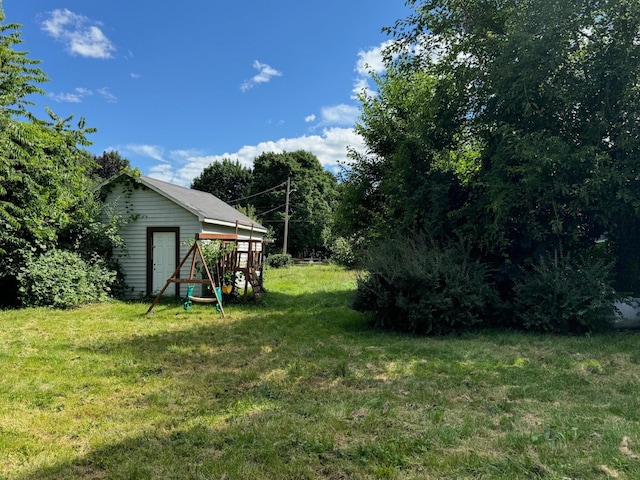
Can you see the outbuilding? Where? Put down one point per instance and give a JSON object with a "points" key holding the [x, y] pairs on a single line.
{"points": [[159, 220]]}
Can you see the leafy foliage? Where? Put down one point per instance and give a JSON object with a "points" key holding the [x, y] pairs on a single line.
{"points": [[213, 251], [109, 164], [417, 286], [420, 165], [227, 180], [279, 260], [63, 279], [343, 252], [563, 294], [45, 193], [512, 125], [18, 74]]}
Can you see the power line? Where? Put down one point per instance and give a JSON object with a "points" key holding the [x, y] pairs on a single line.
{"points": [[290, 221], [256, 194], [269, 211]]}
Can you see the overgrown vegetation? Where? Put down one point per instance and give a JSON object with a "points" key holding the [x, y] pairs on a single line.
{"points": [[421, 287], [514, 127], [563, 294], [63, 279], [301, 388], [46, 198]]}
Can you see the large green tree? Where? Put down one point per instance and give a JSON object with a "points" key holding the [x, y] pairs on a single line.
{"points": [[227, 180], [417, 164], [44, 190], [513, 124], [109, 164], [313, 194]]}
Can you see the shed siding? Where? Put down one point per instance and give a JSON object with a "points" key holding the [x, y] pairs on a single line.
{"points": [[154, 210]]}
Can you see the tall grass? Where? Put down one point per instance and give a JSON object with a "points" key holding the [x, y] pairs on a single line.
{"points": [[300, 387]]}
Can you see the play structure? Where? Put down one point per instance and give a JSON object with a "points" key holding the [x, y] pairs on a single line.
{"points": [[237, 266]]}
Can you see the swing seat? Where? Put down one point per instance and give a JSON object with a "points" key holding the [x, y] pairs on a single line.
{"points": [[203, 299], [191, 298]]}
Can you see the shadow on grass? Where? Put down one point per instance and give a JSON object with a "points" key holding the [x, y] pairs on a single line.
{"points": [[215, 396], [253, 395]]}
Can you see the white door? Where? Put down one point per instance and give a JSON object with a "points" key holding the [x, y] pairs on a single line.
{"points": [[164, 260]]}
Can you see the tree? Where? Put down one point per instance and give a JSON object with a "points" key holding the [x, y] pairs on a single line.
{"points": [[312, 199], [512, 125], [549, 89], [227, 180], [109, 164], [417, 164], [44, 190]]}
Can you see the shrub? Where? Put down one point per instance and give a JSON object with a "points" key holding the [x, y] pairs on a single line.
{"points": [[63, 279], [566, 294], [417, 286], [279, 260], [343, 252]]}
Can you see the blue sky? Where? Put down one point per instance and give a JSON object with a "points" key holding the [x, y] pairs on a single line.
{"points": [[174, 86]]}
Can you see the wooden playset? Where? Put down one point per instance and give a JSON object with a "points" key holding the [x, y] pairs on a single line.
{"points": [[240, 263]]}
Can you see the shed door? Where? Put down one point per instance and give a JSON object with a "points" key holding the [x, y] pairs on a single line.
{"points": [[163, 260]]}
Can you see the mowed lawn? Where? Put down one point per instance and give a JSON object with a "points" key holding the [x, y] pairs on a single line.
{"points": [[299, 387]]}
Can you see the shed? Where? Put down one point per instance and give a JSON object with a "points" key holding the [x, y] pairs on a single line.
{"points": [[160, 220]]}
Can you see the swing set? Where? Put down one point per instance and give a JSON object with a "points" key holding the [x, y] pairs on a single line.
{"points": [[239, 256]]}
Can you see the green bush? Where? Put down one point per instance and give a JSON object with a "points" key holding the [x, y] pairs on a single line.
{"points": [[63, 279], [343, 252], [416, 286], [566, 294], [279, 260]]}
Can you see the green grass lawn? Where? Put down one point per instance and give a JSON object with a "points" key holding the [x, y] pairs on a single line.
{"points": [[300, 387]]}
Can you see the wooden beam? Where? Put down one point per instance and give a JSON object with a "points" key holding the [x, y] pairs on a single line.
{"points": [[216, 236]]}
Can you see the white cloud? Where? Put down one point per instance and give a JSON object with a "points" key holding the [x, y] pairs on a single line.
{"points": [[264, 75], [342, 114], [369, 61], [71, 97], [107, 95], [163, 172], [361, 85], [330, 147], [77, 34], [91, 43], [78, 95], [184, 154], [65, 97], [154, 152], [135, 76]]}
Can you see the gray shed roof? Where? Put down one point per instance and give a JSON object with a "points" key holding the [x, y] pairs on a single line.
{"points": [[207, 207]]}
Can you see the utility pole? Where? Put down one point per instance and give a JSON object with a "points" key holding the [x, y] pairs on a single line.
{"points": [[286, 217]]}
